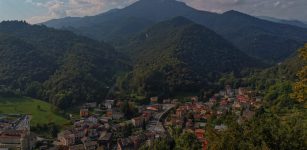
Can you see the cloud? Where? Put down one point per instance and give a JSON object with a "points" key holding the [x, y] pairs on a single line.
{"points": [[277, 3], [75, 8], [286, 9]]}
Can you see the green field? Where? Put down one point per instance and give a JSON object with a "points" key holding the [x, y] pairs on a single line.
{"points": [[40, 110]]}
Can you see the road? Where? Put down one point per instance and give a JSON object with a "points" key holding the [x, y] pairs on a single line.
{"points": [[155, 124]]}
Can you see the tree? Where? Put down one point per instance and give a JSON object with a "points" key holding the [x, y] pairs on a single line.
{"points": [[38, 107], [129, 110], [187, 141], [300, 87], [54, 130], [159, 144]]}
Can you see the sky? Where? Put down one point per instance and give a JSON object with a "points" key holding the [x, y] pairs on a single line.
{"points": [[36, 11]]}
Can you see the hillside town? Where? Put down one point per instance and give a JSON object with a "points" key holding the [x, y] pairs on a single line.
{"points": [[15, 132], [106, 126]]}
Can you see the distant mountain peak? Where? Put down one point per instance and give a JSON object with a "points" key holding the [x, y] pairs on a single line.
{"points": [[234, 12]]}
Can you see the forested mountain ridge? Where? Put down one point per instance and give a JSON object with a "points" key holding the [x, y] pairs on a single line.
{"points": [[55, 65], [179, 55], [283, 21], [272, 42]]}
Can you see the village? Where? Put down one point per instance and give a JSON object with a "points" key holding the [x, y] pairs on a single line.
{"points": [[107, 126]]}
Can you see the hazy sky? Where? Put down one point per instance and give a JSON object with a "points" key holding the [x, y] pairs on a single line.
{"points": [[36, 11]]}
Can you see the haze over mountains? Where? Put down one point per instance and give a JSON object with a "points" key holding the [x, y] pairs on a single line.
{"points": [[266, 40], [289, 22]]}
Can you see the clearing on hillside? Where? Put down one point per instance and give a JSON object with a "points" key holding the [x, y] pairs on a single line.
{"points": [[41, 111]]}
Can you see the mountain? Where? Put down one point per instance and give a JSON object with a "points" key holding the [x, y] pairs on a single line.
{"points": [[270, 41], [180, 55], [283, 21], [55, 65]]}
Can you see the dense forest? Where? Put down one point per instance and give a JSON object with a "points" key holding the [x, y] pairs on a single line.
{"points": [[55, 65], [179, 56]]}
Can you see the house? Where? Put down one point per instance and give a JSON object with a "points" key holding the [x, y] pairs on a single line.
{"points": [[189, 124], [222, 93], [180, 113], [228, 91], [242, 91], [156, 107], [91, 105], [175, 101], [105, 139], [199, 133], [84, 112], [117, 115], [76, 147], [194, 99], [109, 113], [212, 100], [92, 132], [220, 127], [197, 116], [137, 121], [154, 100], [166, 101], [79, 133], [147, 115], [242, 99], [90, 145], [66, 138], [223, 102], [236, 106], [204, 143], [109, 104], [119, 103], [105, 119], [179, 123], [92, 119], [16, 139], [202, 124], [258, 99], [98, 111]]}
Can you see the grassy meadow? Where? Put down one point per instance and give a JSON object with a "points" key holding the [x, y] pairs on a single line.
{"points": [[41, 111]]}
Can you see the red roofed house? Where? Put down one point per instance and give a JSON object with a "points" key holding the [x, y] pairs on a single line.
{"points": [[15, 139], [137, 121], [200, 135], [154, 100], [84, 113], [180, 113]]}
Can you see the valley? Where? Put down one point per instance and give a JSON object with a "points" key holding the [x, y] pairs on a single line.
{"points": [[154, 75]]}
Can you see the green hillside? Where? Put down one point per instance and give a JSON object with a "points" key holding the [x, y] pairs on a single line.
{"points": [[41, 111], [54, 65], [179, 55]]}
